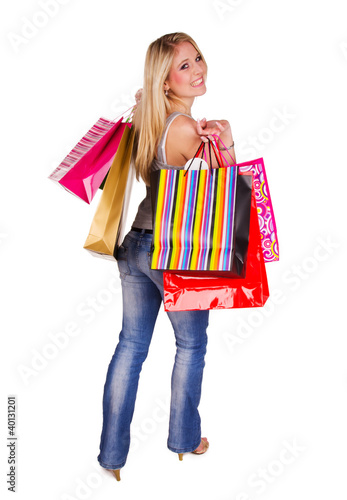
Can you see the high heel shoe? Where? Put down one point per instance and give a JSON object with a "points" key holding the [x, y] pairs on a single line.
{"points": [[116, 472], [204, 447]]}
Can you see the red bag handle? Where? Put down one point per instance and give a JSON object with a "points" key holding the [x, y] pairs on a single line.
{"points": [[218, 158], [201, 150], [217, 154], [219, 151]]}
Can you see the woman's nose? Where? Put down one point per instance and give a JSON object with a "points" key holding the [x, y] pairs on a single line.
{"points": [[197, 70]]}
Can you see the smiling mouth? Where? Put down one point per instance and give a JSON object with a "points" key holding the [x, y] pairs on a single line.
{"points": [[197, 82]]}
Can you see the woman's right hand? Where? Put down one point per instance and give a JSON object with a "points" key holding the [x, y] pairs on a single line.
{"points": [[208, 129], [185, 136]]}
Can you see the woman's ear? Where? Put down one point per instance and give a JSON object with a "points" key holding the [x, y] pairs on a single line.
{"points": [[166, 89]]}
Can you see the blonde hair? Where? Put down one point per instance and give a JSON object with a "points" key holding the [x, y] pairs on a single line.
{"points": [[150, 116]]}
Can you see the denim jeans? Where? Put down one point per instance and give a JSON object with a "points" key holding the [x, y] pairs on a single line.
{"points": [[142, 290]]}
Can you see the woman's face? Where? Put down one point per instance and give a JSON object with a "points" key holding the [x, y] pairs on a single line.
{"points": [[187, 75]]}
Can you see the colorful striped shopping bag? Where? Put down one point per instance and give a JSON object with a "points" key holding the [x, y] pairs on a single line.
{"points": [[193, 219]]}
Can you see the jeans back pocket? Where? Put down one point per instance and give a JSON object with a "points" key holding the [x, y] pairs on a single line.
{"points": [[122, 261]]}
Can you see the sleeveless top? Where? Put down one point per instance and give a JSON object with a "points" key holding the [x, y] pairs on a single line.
{"points": [[143, 219]]}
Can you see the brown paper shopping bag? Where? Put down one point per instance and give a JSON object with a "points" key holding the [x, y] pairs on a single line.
{"points": [[106, 228]]}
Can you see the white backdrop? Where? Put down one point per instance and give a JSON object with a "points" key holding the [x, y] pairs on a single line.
{"points": [[274, 391]]}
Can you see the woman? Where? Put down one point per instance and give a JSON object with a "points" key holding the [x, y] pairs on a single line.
{"points": [[166, 136]]}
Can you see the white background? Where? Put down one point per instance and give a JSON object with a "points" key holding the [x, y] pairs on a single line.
{"points": [[275, 377]]}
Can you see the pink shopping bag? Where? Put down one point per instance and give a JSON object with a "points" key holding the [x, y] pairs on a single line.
{"points": [[266, 216], [85, 167]]}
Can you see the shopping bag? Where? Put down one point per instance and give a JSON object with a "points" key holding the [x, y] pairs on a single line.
{"points": [[106, 230], [193, 220], [266, 216], [268, 230], [83, 170], [192, 291]]}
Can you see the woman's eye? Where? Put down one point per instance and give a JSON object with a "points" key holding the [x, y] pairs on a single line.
{"points": [[185, 66]]}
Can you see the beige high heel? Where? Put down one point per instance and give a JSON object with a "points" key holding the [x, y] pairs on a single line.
{"points": [[116, 472], [205, 444]]}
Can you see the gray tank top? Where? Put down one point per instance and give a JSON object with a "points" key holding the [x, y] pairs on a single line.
{"points": [[143, 219]]}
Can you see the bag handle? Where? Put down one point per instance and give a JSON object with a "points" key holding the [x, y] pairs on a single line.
{"points": [[203, 154], [201, 150], [128, 113], [219, 151], [216, 153]]}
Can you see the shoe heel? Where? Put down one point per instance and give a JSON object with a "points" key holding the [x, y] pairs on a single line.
{"points": [[117, 474], [180, 456]]}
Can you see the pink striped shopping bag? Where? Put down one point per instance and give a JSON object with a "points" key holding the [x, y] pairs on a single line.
{"points": [[85, 167]]}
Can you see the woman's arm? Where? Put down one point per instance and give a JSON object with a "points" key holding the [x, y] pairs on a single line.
{"points": [[222, 129], [185, 136]]}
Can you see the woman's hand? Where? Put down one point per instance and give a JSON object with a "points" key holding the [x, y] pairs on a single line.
{"points": [[185, 136], [221, 129], [207, 129]]}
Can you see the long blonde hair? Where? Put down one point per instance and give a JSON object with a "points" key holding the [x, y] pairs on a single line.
{"points": [[150, 116]]}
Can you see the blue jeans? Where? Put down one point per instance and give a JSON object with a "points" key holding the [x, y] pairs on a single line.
{"points": [[142, 290]]}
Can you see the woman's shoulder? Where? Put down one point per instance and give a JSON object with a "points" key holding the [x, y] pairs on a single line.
{"points": [[181, 140], [178, 115], [181, 124]]}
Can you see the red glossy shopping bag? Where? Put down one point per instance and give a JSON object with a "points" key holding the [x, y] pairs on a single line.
{"points": [[185, 292]]}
